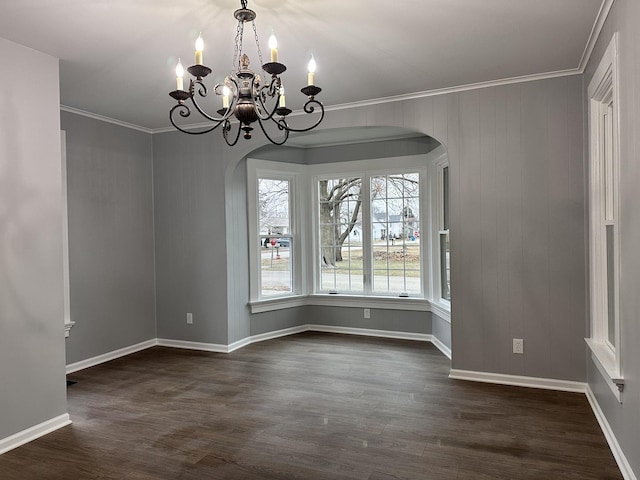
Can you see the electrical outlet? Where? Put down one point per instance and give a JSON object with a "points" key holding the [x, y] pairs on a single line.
{"points": [[189, 318], [518, 345], [367, 313]]}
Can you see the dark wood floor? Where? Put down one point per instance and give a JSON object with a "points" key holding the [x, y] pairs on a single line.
{"points": [[310, 406]]}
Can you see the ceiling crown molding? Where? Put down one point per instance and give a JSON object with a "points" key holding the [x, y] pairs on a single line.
{"points": [[102, 118], [605, 9]]}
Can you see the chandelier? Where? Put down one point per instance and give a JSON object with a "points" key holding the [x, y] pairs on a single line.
{"points": [[246, 97]]}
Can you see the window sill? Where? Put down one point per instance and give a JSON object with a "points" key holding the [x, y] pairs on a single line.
{"points": [[280, 303], [442, 309], [605, 360], [355, 301], [363, 301], [67, 328]]}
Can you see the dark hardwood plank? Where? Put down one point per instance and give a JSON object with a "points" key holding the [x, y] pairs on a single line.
{"points": [[310, 406]]}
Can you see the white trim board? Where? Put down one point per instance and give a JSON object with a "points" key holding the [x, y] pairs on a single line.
{"points": [[106, 357], [204, 347], [618, 454], [31, 433], [518, 381], [605, 8], [368, 332], [267, 336], [102, 118]]}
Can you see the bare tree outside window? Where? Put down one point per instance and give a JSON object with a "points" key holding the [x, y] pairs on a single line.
{"points": [[393, 229], [276, 241], [273, 206], [340, 205]]}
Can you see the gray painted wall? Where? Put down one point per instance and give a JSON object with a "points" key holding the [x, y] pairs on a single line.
{"points": [[518, 229], [31, 289], [192, 237], [381, 319], [441, 329], [623, 418], [370, 150], [279, 319], [517, 232], [111, 247]]}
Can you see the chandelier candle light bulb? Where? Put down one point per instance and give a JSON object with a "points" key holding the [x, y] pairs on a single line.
{"points": [[312, 70], [226, 91], [282, 103], [179, 76], [199, 49], [273, 45]]}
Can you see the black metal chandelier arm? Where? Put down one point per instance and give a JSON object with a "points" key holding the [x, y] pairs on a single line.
{"points": [[284, 128], [225, 133], [184, 112], [308, 108], [198, 85], [206, 115], [203, 92]]}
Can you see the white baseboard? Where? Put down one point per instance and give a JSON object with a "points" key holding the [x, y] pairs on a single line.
{"points": [[269, 336], [205, 347], [441, 346], [368, 332], [92, 362], [519, 381], [618, 454], [37, 431]]}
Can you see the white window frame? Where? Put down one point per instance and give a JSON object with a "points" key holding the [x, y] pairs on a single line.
{"points": [[604, 210], [302, 211], [366, 169], [441, 305], [295, 175]]}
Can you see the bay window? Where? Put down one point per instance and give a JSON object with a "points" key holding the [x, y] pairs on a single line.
{"points": [[356, 230]]}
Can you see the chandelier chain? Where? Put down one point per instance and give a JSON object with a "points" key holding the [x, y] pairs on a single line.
{"points": [[237, 52], [255, 32]]}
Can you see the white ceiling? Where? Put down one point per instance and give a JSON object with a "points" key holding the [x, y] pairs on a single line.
{"points": [[117, 57]]}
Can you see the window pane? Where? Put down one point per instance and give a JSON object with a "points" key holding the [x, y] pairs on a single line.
{"points": [[273, 206], [340, 217], [276, 266], [445, 267], [395, 219], [276, 262], [445, 198], [608, 162], [611, 305]]}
